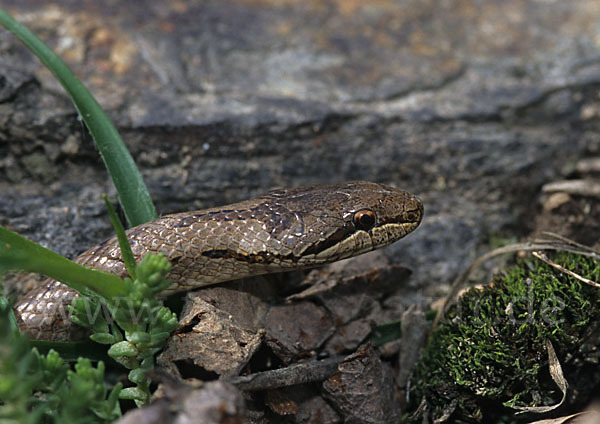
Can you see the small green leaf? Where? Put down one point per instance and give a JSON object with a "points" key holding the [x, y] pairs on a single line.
{"points": [[133, 393], [138, 376], [123, 348], [128, 362], [138, 337], [158, 338], [103, 338]]}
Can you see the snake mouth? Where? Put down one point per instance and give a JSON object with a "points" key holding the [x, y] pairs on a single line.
{"points": [[337, 237], [390, 232], [409, 227]]}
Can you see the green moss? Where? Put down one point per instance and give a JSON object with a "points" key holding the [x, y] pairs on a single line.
{"points": [[489, 353]]}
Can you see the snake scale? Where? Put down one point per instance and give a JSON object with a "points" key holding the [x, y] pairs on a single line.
{"points": [[281, 230]]}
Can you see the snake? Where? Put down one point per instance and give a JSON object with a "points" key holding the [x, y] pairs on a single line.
{"points": [[282, 230]]}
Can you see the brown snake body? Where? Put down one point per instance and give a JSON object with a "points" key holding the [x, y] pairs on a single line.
{"points": [[280, 231]]}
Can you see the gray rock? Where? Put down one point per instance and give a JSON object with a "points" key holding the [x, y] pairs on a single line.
{"points": [[472, 107]]}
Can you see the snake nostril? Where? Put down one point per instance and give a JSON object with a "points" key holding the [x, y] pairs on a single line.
{"points": [[412, 216]]}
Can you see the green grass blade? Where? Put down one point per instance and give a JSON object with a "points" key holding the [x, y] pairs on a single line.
{"points": [[126, 253], [19, 253], [385, 333], [11, 325], [132, 191]]}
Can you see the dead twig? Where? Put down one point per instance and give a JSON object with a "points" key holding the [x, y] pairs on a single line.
{"points": [[588, 188], [542, 257], [289, 376]]}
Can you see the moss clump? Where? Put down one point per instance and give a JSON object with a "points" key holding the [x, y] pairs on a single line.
{"points": [[489, 353]]}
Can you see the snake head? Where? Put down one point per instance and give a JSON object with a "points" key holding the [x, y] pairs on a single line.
{"points": [[388, 215], [336, 221]]}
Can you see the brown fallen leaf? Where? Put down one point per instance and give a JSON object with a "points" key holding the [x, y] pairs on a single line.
{"points": [[557, 375]]}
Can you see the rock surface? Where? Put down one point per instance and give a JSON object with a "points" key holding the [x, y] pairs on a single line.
{"points": [[472, 106]]}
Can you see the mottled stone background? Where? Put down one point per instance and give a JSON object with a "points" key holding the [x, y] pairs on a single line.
{"points": [[471, 105]]}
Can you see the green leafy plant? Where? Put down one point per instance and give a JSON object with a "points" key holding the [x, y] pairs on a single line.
{"points": [[139, 324], [41, 388], [136, 330]]}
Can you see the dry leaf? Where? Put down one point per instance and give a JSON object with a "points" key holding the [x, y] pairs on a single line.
{"points": [[558, 377]]}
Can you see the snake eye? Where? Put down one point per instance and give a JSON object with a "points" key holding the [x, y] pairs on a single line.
{"points": [[364, 219]]}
